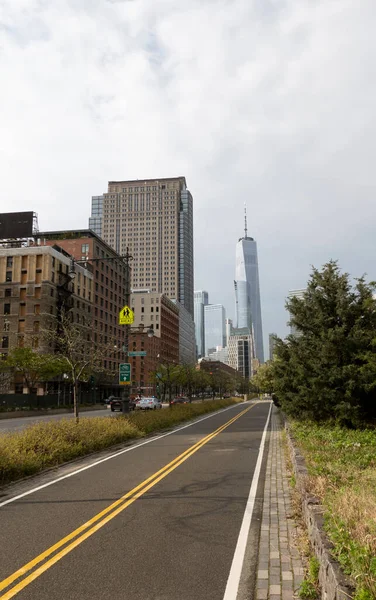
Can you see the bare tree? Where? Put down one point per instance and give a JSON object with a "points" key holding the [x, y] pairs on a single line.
{"points": [[79, 356]]}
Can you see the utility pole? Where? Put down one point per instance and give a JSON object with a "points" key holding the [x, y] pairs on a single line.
{"points": [[127, 258]]}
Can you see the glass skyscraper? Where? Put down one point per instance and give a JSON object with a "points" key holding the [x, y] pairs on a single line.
{"points": [[201, 299], [215, 327], [247, 291], [95, 221]]}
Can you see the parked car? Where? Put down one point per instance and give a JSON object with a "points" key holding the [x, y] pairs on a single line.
{"points": [[108, 400], [148, 404], [180, 400], [117, 404]]}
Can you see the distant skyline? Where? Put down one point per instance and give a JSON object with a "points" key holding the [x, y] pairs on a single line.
{"points": [[273, 104]]}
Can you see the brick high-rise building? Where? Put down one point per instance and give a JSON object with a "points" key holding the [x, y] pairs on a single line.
{"points": [[154, 218], [158, 311], [31, 282], [108, 294]]}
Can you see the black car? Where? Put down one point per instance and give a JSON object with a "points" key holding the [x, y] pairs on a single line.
{"points": [[109, 399], [117, 404], [180, 400]]}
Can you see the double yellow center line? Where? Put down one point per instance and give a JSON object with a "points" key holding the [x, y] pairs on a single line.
{"points": [[76, 537]]}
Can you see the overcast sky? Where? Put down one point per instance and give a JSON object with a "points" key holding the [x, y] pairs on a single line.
{"points": [[268, 102]]}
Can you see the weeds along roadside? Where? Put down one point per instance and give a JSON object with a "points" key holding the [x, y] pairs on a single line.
{"points": [[45, 445], [342, 474], [309, 588]]}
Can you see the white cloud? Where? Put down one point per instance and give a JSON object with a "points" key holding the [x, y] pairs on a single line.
{"points": [[271, 102]]}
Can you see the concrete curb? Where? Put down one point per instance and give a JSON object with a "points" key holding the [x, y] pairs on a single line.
{"points": [[333, 582]]}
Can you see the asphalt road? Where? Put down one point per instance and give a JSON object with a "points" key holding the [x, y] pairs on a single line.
{"points": [[175, 534], [19, 423]]}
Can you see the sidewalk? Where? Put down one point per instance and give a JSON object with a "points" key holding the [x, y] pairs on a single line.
{"points": [[280, 569]]}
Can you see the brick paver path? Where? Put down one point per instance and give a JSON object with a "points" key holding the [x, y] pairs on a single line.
{"points": [[280, 569]]}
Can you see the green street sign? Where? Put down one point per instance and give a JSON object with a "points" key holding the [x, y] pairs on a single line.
{"points": [[125, 374], [137, 353]]}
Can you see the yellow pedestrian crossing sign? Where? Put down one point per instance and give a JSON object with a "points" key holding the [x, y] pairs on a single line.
{"points": [[126, 316]]}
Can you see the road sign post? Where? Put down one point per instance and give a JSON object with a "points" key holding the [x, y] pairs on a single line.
{"points": [[126, 316], [125, 374]]}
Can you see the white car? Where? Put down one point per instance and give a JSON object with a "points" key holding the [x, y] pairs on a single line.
{"points": [[148, 404]]}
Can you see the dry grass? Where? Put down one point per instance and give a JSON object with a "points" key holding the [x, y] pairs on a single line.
{"points": [[342, 468], [49, 444], [301, 538]]}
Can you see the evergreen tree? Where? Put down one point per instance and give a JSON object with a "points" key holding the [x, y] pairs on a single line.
{"points": [[328, 368]]}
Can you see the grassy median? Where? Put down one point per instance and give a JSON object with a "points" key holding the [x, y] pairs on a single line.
{"points": [[342, 473], [50, 444]]}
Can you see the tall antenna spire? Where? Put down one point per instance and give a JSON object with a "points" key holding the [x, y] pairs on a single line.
{"points": [[245, 220]]}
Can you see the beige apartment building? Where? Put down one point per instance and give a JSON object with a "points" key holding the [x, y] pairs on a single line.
{"points": [[158, 311], [154, 219], [33, 282]]}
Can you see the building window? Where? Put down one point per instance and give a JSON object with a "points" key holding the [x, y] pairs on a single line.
{"points": [[85, 249], [21, 326], [8, 276], [36, 309], [6, 325], [7, 309], [5, 341], [9, 262]]}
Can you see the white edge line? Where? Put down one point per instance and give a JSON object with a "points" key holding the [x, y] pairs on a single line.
{"points": [[102, 460], [233, 581]]}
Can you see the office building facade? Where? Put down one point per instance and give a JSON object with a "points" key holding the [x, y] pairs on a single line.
{"points": [[299, 293], [154, 219], [247, 291], [201, 299], [241, 352], [220, 354], [95, 221], [215, 327], [272, 343], [161, 313], [187, 338]]}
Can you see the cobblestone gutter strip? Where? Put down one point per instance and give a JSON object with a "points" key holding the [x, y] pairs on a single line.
{"points": [[334, 584]]}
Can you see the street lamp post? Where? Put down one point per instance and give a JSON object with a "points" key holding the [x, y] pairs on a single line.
{"points": [[128, 329], [127, 258], [125, 349]]}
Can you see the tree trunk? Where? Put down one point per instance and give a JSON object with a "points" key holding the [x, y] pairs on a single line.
{"points": [[75, 400]]}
